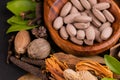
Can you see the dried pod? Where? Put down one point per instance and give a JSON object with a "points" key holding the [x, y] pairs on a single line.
{"points": [[86, 4], [39, 48], [77, 4], [102, 6], [21, 42], [66, 9]]}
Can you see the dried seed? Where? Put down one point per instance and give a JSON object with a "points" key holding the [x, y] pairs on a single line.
{"points": [[88, 42], [109, 16], [95, 21], [90, 33], [77, 4], [74, 10], [92, 2], [106, 33], [71, 30], [99, 15], [76, 41], [102, 6], [82, 19], [21, 42], [97, 35], [85, 4], [80, 34], [104, 25], [58, 23], [70, 18], [63, 33], [81, 25], [66, 9]]}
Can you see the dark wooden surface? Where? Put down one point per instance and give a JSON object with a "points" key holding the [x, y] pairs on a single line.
{"points": [[7, 71]]}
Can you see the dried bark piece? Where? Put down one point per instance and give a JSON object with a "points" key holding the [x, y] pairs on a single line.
{"points": [[55, 67], [99, 70], [29, 68], [36, 62], [73, 60], [29, 76]]}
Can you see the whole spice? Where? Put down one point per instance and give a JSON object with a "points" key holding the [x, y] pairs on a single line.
{"points": [[39, 48], [37, 62], [29, 68], [21, 42], [40, 32]]}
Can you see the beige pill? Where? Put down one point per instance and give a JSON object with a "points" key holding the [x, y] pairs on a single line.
{"points": [[102, 6], [70, 18], [88, 42], [58, 23], [106, 33], [80, 34], [99, 15], [95, 21], [109, 16], [90, 33], [66, 9], [104, 25], [74, 10], [76, 41], [85, 4], [71, 30], [92, 2], [77, 4], [82, 25], [82, 19], [63, 33]]}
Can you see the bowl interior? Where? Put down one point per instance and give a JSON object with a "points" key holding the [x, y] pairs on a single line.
{"points": [[51, 11]]}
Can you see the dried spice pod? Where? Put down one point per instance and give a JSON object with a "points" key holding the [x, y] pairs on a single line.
{"points": [[21, 42], [39, 48]]}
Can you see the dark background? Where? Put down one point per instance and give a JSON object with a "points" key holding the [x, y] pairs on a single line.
{"points": [[7, 71]]}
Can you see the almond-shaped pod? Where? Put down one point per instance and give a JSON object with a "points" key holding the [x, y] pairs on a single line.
{"points": [[102, 6], [63, 33], [85, 4], [104, 25], [71, 30], [21, 41], [76, 41], [90, 33], [58, 23], [66, 9], [77, 4], [106, 33], [99, 15], [109, 16]]}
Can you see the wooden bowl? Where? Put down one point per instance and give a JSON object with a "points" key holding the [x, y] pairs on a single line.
{"points": [[51, 11]]}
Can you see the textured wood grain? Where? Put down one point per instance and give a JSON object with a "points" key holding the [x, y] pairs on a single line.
{"points": [[51, 11]]}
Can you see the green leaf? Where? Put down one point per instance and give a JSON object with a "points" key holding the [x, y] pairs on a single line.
{"points": [[112, 63], [18, 6], [16, 20], [108, 79], [17, 27]]}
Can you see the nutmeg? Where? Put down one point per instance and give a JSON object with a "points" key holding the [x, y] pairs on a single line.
{"points": [[39, 48], [21, 41]]}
